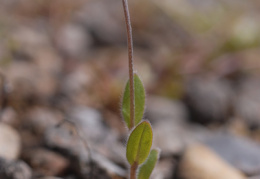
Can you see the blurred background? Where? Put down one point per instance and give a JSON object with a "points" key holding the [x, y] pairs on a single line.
{"points": [[63, 67]]}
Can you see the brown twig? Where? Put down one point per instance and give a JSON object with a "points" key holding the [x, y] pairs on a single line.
{"points": [[130, 61], [76, 129], [82, 139]]}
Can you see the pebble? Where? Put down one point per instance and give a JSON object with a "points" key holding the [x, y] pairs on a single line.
{"points": [[172, 132], [159, 108], [111, 168], [169, 121], [208, 100], [99, 137], [14, 170], [255, 177], [247, 103], [9, 117], [172, 138], [89, 120], [73, 40], [163, 168], [41, 118], [63, 140], [46, 162], [10, 142], [101, 143], [241, 153], [99, 18], [199, 162]]}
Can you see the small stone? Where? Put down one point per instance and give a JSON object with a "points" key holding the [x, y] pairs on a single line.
{"points": [[92, 133], [172, 138], [199, 162], [172, 133], [89, 121], [85, 164], [9, 117], [77, 80], [111, 168], [73, 40], [247, 103], [159, 108], [62, 140], [99, 18], [208, 99], [14, 170], [40, 118], [241, 153], [254, 177], [163, 168], [10, 142], [46, 162], [98, 136]]}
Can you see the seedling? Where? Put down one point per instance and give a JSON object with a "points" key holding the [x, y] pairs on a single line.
{"points": [[139, 155]]}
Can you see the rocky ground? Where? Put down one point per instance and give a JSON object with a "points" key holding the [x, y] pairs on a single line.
{"points": [[63, 67]]}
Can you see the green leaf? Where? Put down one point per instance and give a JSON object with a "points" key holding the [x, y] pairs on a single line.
{"points": [[139, 143], [139, 101], [146, 169]]}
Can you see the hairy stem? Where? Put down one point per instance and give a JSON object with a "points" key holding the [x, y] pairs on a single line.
{"points": [[133, 170], [130, 61]]}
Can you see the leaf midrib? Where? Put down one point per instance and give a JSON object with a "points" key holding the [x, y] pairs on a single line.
{"points": [[139, 146]]}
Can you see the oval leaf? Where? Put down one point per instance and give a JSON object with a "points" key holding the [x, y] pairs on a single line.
{"points": [[139, 143], [146, 169], [139, 101]]}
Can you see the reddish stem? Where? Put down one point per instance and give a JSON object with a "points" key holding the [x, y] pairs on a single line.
{"points": [[130, 61], [133, 170]]}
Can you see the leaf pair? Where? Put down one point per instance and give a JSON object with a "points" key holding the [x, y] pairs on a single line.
{"points": [[138, 150]]}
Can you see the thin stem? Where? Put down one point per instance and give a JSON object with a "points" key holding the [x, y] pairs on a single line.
{"points": [[130, 61], [133, 170]]}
